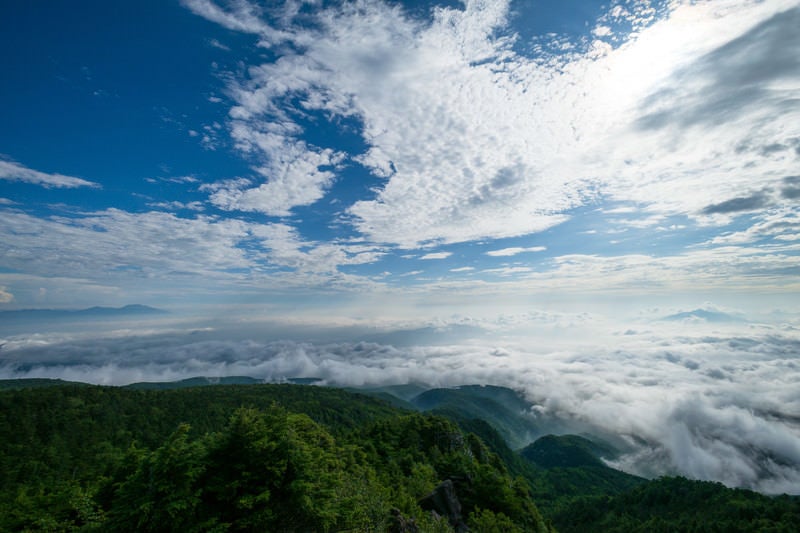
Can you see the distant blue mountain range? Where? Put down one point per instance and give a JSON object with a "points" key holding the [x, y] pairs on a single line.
{"points": [[704, 315], [91, 312]]}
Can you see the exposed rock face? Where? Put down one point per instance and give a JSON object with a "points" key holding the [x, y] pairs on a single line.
{"points": [[401, 524], [444, 502]]}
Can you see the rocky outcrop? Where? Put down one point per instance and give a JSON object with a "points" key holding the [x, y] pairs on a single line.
{"points": [[401, 524], [444, 502]]}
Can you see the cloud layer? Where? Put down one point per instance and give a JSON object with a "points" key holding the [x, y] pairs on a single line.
{"points": [[709, 403]]}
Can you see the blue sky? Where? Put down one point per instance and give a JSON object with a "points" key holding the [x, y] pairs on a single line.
{"points": [[375, 154]]}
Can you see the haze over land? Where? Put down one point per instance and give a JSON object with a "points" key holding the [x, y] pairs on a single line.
{"points": [[596, 204]]}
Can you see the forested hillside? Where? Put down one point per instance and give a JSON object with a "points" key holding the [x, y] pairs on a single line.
{"points": [[306, 458], [244, 458]]}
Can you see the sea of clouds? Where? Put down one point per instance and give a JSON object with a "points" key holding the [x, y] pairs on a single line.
{"points": [[708, 401]]}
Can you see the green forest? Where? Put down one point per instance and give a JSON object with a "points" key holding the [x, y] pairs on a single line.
{"points": [[305, 458]]}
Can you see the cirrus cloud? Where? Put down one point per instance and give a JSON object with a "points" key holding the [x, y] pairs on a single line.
{"points": [[15, 172], [506, 252]]}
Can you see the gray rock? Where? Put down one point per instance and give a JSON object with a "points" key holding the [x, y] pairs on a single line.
{"points": [[444, 502]]}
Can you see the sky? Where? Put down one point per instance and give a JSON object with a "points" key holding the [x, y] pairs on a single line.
{"points": [[524, 192]]}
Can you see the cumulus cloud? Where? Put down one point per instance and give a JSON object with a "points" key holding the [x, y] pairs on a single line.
{"points": [[708, 403], [293, 171], [15, 172]]}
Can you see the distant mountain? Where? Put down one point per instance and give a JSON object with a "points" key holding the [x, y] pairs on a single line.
{"points": [[553, 451], [503, 408], [131, 309], [406, 392], [506, 410], [194, 382], [304, 381], [703, 315], [36, 383], [199, 381], [70, 314], [570, 466]]}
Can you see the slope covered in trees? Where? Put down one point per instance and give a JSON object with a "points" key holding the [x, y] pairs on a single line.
{"points": [[304, 458], [678, 504], [242, 458]]}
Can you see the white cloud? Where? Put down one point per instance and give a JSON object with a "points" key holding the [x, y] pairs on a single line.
{"points": [[716, 404], [673, 120], [602, 31], [507, 271], [192, 206], [240, 16], [114, 247], [731, 267], [5, 296], [505, 252], [293, 171], [462, 269], [286, 248], [213, 42], [182, 179], [118, 250], [15, 172], [781, 224], [114, 242], [437, 255]]}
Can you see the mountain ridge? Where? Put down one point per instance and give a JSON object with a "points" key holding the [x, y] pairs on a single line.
{"points": [[705, 315], [94, 312]]}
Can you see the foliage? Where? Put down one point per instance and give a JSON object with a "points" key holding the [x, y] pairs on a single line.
{"points": [[562, 451], [295, 459], [503, 407], [485, 521], [678, 504], [300, 458]]}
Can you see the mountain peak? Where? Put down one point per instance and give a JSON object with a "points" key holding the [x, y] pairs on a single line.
{"points": [[703, 315]]}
